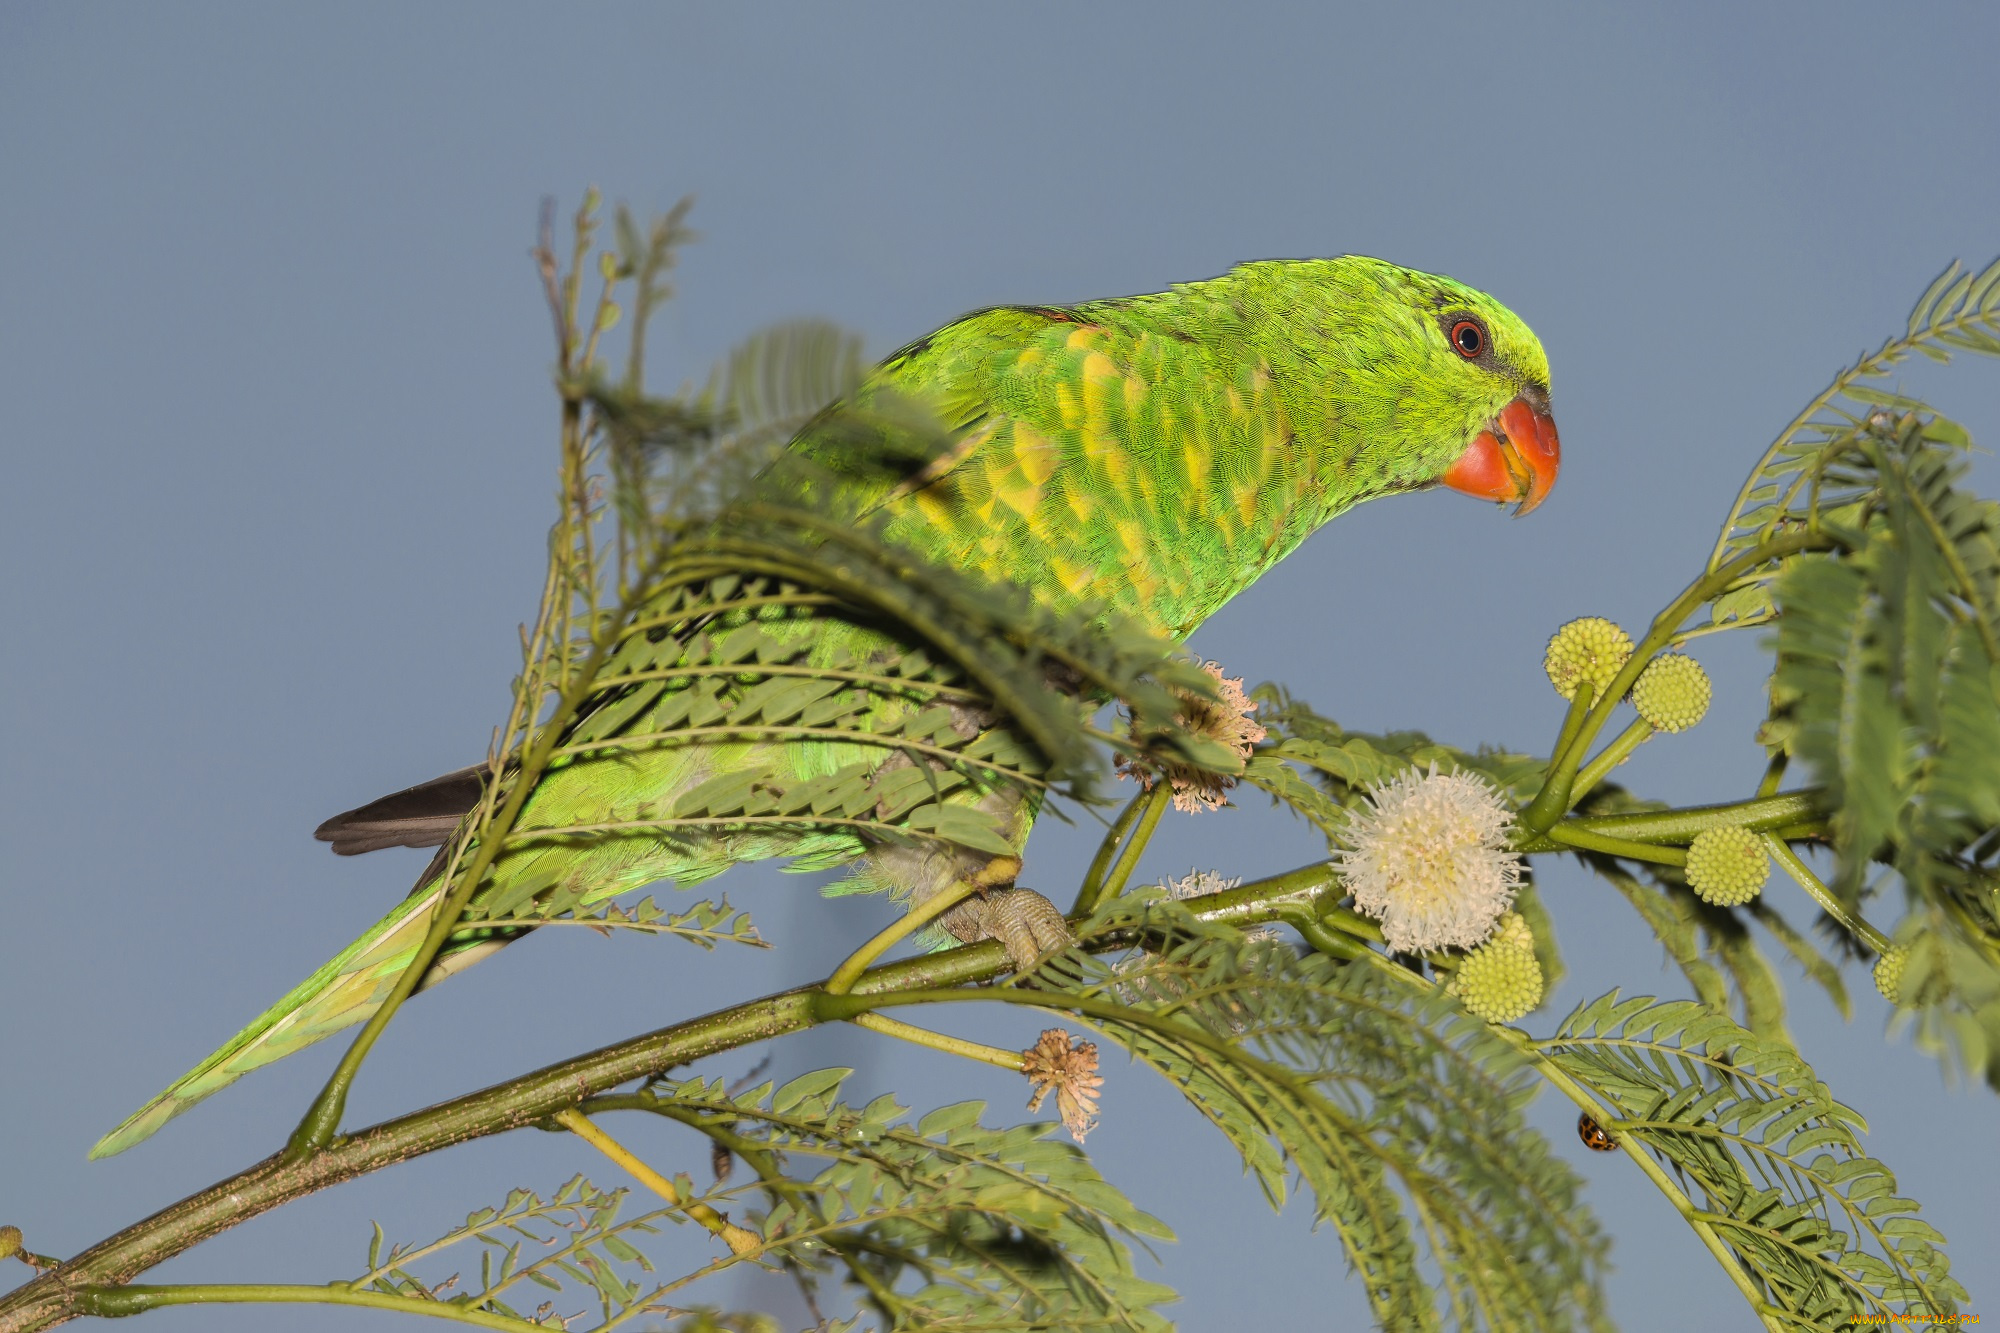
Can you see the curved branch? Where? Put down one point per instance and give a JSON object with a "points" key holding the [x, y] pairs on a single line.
{"points": [[533, 1100], [109, 1302]]}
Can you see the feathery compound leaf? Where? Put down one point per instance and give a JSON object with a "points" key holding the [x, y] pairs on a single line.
{"points": [[705, 923], [1885, 686], [575, 1244], [1776, 1163], [780, 376], [1345, 764], [1397, 1110], [1957, 310], [942, 1224]]}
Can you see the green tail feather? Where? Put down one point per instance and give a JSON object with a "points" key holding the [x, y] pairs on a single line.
{"points": [[340, 994], [349, 988]]}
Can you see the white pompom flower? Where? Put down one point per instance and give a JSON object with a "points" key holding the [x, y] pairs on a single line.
{"points": [[1429, 857]]}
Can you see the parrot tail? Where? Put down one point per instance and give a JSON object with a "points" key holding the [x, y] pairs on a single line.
{"points": [[342, 993]]}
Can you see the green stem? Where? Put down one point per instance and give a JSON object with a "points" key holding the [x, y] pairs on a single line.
{"points": [[1609, 758], [1332, 929], [1774, 773], [1829, 903], [1799, 814], [1571, 835], [1135, 846], [1579, 708], [1100, 865], [938, 1041], [1310, 891], [111, 1302], [919, 915], [1332, 943], [1351, 923], [1554, 797]]}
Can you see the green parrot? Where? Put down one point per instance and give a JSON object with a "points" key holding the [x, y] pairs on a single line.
{"points": [[1150, 455]]}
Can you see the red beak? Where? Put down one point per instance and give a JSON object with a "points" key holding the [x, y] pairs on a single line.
{"points": [[1514, 459]]}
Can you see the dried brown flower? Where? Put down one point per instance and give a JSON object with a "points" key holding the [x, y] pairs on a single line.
{"points": [[1069, 1067], [1225, 720]]}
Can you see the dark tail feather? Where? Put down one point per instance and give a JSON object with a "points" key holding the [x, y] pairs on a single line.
{"points": [[419, 816]]}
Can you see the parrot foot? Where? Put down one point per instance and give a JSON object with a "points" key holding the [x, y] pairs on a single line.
{"points": [[1025, 922]]}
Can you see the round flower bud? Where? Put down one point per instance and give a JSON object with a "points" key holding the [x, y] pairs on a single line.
{"points": [[1587, 651], [1889, 973], [1672, 692], [1501, 980], [1727, 867]]}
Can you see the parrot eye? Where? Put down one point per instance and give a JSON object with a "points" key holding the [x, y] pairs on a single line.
{"points": [[1468, 339]]}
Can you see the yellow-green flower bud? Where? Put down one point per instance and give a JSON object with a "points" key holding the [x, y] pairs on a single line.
{"points": [[1672, 692], [1889, 972], [1501, 979], [1727, 867], [10, 1242], [1586, 651], [1512, 930]]}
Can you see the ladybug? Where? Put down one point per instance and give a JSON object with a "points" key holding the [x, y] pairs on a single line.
{"points": [[1593, 1135]]}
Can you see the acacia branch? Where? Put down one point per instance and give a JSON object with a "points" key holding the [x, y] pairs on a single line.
{"points": [[1303, 897], [533, 1099]]}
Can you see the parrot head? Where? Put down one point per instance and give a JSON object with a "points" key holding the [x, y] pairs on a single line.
{"points": [[1434, 383], [1513, 454]]}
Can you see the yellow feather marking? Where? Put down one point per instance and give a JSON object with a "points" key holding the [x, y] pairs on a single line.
{"points": [[1080, 338], [1021, 496], [1195, 458], [1066, 406], [1113, 461], [936, 512], [935, 470], [1077, 578], [1036, 453], [1132, 534], [1081, 504], [1246, 504]]}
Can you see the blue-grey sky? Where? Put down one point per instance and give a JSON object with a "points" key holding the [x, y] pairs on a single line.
{"points": [[278, 438]]}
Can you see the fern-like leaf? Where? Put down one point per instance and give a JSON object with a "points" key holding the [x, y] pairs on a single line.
{"points": [[1775, 1163], [1400, 1113], [1958, 310]]}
